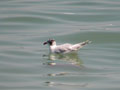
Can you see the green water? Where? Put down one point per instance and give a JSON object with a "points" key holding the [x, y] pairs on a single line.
{"points": [[25, 63]]}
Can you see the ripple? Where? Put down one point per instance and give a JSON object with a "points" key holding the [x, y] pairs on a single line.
{"points": [[25, 24], [28, 19], [65, 84]]}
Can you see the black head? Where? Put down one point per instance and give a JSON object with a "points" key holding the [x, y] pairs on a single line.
{"points": [[50, 42]]}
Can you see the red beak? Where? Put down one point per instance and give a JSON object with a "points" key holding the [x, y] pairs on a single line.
{"points": [[44, 43]]}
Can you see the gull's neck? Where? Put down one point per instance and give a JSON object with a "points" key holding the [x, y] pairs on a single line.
{"points": [[53, 44]]}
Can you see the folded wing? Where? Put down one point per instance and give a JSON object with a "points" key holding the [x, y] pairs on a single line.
{"points": [[63, 48]]}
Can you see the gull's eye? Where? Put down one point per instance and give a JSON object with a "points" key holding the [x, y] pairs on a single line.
{"points": [[50, 42]]}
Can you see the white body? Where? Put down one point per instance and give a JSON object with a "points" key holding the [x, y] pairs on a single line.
{"points": [[66, 48]]}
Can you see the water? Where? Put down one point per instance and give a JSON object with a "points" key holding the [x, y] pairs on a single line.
{"points": [[25, 62]]}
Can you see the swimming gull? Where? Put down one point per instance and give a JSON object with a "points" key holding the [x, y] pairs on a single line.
{"points": [[64, 48]]}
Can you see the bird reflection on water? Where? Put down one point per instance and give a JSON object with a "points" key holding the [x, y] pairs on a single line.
{"points": [[72, 58]]}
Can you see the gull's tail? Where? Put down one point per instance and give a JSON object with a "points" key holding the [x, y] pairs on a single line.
{"points": [[80, 45], [86, 42]]}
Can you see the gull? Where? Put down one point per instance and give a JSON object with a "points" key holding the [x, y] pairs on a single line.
{"points": [[64, 48]]}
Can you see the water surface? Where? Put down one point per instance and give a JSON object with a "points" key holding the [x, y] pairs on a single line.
{"points": [[26, 64]]}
